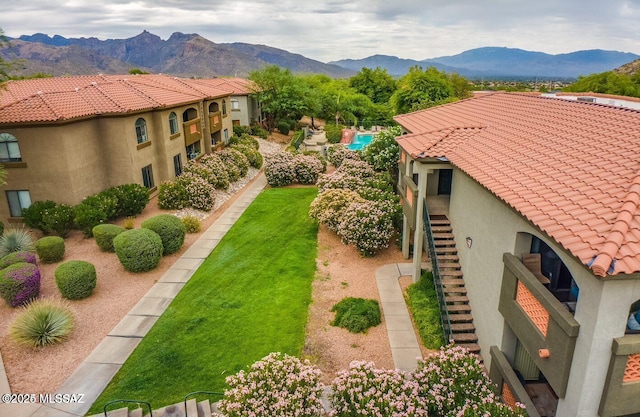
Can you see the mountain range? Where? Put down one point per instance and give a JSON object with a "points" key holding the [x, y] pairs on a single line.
{"points": [[191, 55]]}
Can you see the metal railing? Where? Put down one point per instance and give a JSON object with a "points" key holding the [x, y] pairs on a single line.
{"points": [[139, 402], [437, 277]]}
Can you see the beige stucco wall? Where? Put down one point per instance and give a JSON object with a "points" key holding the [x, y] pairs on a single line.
{"points": [[601, 310]]}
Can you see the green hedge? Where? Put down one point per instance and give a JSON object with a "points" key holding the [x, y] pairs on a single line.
{"points": [[15, 257], [50, 249], [104, 235], [170, 229], [76, 279], [138, 250], [356, 314]]}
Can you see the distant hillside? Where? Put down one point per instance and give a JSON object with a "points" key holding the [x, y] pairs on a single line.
{"points": [[184, 55], [629, 69], [504, 62], [394, 65]]}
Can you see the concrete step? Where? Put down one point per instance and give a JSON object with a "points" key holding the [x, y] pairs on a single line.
{"points": [[450, 299], [440, 222], [459, 308], [441, 229], [448, 258], [449, 274], [451, 282], [442, 236], [460, 318], [448, 265], [204, 408], [464, 337], [472, 347], [445, 249], [462, 327], [455, 290]]}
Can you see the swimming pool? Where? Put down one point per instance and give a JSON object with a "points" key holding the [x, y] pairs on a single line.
{"points": [[360, 140]]}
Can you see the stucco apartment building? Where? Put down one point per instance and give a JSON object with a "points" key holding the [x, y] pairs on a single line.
{"points": [[65, 138], [543, 200]]}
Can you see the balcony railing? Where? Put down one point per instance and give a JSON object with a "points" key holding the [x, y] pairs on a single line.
{"points": [[215, 121], [509, 386], [542, 324], [192, 131], [437, 277], [621, 395]]}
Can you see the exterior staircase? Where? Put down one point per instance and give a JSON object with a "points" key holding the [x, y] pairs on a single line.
{"points": [[194, 408], [463, 332]]}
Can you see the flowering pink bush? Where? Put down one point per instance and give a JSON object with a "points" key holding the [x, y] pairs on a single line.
{"points": [[172, 196], [279, 170], [200, 170], [338, 179], [306, 168], [453, 382], [329, 206], [336, 154], [235, 158], [217, 167], [200, 194], [367, 226], [278, 385], [356, 168], [364, 390]]}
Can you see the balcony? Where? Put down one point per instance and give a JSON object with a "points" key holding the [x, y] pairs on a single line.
{"points": [[215, 121], [192, 131], [542, 324], [621, 395], [509, 385]]}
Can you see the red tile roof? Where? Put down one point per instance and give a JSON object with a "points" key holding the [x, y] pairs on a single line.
{"points": [[67, 98], [238, 86], [571, 168]]}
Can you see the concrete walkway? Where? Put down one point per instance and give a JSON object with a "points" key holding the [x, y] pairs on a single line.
{"points": [[402, 337], [97, 370]]}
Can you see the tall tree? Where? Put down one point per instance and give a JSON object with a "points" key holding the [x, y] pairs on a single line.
{"points": [[420, 89], [608, 83], [5, 66], [376, 84], [281, 93]]}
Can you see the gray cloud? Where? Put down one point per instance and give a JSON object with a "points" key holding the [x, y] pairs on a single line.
{"points": [[331, 29]]}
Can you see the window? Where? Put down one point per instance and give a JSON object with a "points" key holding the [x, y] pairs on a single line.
{"points": [[226, 136], [235, 104], [224, 107], [173, 123], [177, 164], [193, 150], [147, 177], [9, 149], [141, 131], [18, 200]]}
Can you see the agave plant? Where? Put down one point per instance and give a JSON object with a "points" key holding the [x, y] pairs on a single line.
{"points": [[16, 240], [43, 322]]}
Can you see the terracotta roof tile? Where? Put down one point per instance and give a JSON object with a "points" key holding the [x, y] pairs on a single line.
{"points": [[571, 168], [65, 98]]}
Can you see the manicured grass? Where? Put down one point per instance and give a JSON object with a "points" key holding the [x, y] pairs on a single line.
{"points": [[423, 303], [249, 298]]}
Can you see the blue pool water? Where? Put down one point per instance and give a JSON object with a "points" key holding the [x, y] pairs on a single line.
{"points": [[360, 140]]}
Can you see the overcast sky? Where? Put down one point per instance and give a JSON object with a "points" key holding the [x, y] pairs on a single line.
{"points": [[329, 30]]}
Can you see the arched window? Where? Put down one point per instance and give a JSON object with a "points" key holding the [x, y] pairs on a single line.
{"points": [[189, 114], [214, 107], [224, 107], [173, 123], [141, 130], [9, 149]]}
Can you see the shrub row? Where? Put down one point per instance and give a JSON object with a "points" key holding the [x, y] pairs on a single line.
{"points": [[253, 130], [449, 383], [357, 203], [285, 168], [59, 219]]}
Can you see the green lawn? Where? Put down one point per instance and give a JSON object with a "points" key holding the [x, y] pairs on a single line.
{"points": [[249, 298]]}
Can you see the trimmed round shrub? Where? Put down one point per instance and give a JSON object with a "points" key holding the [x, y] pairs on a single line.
{"points": [[283, 127], [19, 283], [191, 224], [200, 194], [42, 323], [356, 314], [367, 226], [15, 240], [104, 234], [253, 155], [132, 199], [15, 257], [138, 250], [76, 279], [50, 249], [170, 229], [87, 216], [307, 168]]}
